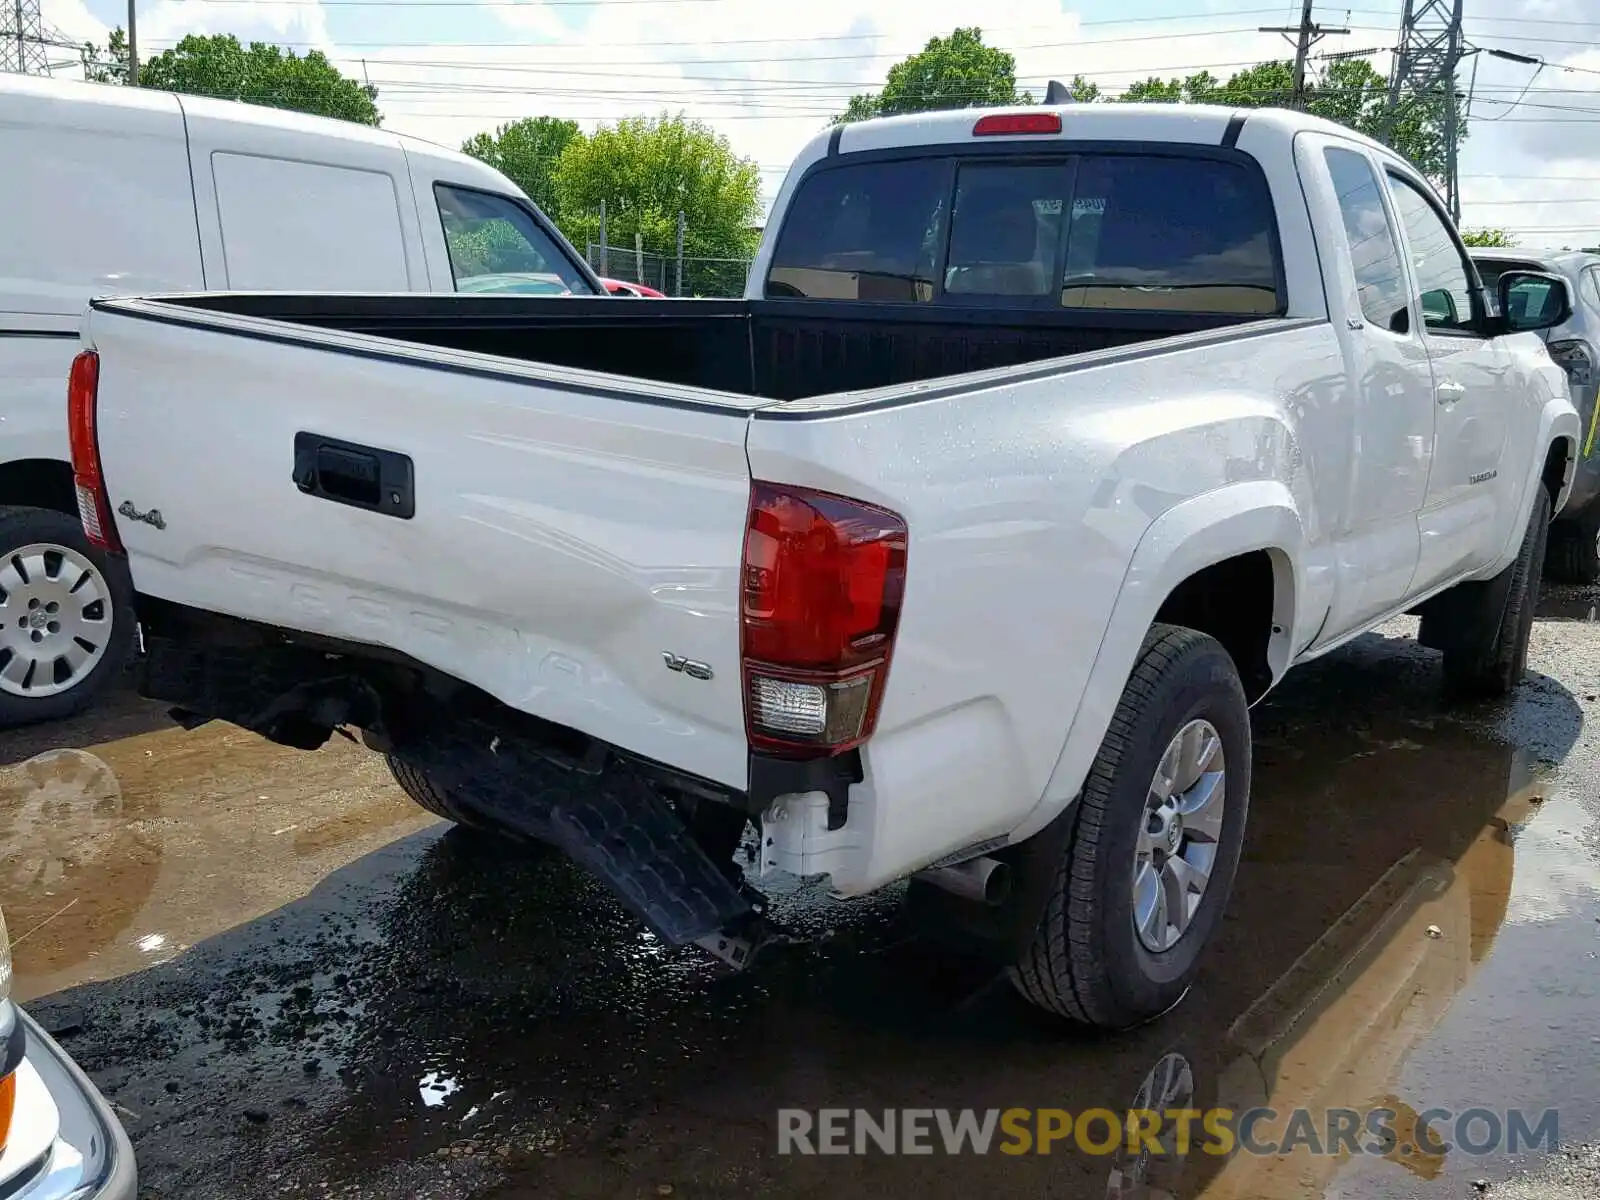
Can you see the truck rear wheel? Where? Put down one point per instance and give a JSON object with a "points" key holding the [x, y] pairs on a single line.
{"points": [[66, 616], [437, 800], [1488, 655], [1154, 844], [1573, 555]]}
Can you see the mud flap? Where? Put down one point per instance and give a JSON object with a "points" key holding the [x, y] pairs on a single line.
{"points": [[610, 821], [1466, 615]]}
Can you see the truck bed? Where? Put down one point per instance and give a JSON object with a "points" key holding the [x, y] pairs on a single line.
{"points": [[774, 349]]}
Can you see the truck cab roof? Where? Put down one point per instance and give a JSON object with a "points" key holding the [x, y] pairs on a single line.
{"points": [[1197, 124]]}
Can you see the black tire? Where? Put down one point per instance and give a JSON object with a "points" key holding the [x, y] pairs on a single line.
{"points": [[1573, 555], [437, 800], [1492, 663], [1086, 962], [23, 527]]}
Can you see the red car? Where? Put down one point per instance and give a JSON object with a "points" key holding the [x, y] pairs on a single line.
{"points": [[618, 287]]}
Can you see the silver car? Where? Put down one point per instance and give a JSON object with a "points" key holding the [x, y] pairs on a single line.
{"points": [[59, 1139], [1574, 552]]}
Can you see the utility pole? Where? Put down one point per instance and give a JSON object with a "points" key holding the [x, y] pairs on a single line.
{"points": [[683, 222], [1304, 35], [133, 45], [1431, 47]]}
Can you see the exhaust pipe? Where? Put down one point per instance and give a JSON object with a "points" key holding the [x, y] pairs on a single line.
{"points": [[982, 880]]}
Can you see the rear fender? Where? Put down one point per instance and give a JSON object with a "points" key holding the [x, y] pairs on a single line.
{"points": [[1201, 532]]}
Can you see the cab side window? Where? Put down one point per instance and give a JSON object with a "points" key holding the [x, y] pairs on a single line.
{"points": [[1443, 276], [1374, 249], [497, 248]]}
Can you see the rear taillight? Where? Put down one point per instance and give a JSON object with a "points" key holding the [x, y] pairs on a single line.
{"points": [[10, 1040], [8, 1106], [822, 582], [1576, 358], [94, 505]]}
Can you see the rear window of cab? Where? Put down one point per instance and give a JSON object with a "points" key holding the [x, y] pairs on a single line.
{"points": [[1122, 232]]}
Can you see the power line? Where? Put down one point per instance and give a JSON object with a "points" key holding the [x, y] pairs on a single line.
{"points": [[990, 30], [1595, 178], [792, 58]]}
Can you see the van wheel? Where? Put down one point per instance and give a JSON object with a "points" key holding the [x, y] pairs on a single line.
{"points": [[66, 616], [1489, 654], [1573, 555], [437, 800], [1154, 843]]}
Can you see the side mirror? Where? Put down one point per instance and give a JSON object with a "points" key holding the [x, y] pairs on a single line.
{"points": [[1533, 300], [1439, 308]]}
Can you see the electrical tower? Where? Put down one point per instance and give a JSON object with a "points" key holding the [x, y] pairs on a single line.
{"points": [[1431, 47], [26, 42]]}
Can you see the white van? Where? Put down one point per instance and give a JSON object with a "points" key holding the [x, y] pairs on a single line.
{"points": [[107, 190]]}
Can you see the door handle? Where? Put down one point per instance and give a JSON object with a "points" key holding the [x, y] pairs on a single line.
{"points": [[379, 481], [1449, 392]]}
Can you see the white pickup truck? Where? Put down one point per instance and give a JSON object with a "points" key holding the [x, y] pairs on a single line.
{"points": [[1045, 442]]}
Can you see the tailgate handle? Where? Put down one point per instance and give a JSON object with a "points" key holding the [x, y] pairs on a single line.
{"points": [[366, 477]]}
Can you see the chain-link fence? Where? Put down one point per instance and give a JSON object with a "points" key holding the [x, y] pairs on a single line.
{"points": [[701, 277]]}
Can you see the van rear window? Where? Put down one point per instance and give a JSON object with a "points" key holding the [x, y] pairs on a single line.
{"points": [[1124, 232]]}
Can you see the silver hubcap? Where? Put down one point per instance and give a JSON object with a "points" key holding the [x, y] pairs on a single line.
{"points": [[55, 620], [1177, 844]]}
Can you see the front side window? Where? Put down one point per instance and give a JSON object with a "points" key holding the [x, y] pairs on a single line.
{"points": [[1374, 250], [497, 248], [1490, 270], [1170, 234], [1443, 280], [869, 231]]}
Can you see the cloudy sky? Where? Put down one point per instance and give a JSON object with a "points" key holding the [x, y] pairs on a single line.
{"points": [[770, 72]]}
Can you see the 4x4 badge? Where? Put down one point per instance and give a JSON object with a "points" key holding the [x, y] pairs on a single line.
{"points": [[153, 517]]}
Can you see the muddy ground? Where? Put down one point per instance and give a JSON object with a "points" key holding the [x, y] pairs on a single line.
{"points": [[291, 982]]}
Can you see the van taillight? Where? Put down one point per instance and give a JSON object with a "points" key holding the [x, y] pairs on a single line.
{"points": [[94, 505], [822, 581]]}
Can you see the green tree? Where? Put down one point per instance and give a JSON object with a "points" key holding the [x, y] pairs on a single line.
{"points": [[1082, 91], [526, 152], [220, 66], [108, 65], [647, 171], [1349, 91], [1486, 237], [958, 71]]}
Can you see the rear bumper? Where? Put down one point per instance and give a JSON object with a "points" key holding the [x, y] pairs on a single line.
{"points": [[77, 1149]]}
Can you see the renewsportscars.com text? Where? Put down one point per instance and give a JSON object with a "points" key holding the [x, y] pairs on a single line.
{"points": [[1215, 1131]]}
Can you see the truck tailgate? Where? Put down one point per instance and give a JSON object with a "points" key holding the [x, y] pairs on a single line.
{"points": [[571, 543]]}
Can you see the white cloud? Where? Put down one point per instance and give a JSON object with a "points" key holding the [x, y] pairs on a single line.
{"points": [[768, 96], [166, 21]]}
